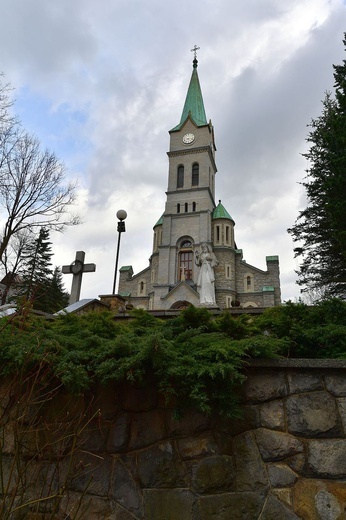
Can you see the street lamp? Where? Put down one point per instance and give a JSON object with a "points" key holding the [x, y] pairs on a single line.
{"points": [[121, 215]]}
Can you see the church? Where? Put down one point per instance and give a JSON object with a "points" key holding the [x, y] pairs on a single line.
{"points": [[195, 259]]}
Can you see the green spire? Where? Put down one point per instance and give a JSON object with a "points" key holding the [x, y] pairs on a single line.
{"points": [[221, 212], [194, 106]]}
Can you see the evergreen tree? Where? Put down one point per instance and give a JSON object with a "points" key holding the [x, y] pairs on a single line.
{"points": [[40, 284], [321, 227], [37, 268], [57, 297]]}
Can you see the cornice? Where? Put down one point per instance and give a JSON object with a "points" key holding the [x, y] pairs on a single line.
{"points": [[188, 151], [192, 151]]}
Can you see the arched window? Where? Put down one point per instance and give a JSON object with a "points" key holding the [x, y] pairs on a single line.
{"points": [[178, 208], [186, 207], [141, 288], [194, 206], [185, 261], [249, 282], [180, 178], [195, 174]]}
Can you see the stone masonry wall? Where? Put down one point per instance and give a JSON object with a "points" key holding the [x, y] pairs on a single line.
{"points": [[285, 459]]}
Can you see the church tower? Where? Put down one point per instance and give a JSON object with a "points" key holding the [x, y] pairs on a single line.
{"points": [[186, 222], [193, 222]]}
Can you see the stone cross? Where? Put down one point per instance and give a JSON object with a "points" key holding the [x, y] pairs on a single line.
{"points": [[77, 268]]}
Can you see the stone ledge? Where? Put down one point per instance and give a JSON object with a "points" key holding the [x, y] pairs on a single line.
{"points": [[298, 363]]}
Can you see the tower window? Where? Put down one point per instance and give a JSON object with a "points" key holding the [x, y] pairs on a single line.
{"points": [[217, 234], [178, 208], [180, 178], [195, 174], [227, 234], [186, 207], [194, 206]]}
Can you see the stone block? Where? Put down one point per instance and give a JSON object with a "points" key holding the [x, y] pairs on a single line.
{"points": [[265, 386], [272, 415], [319, 499], [161, 467], [77, 505], [196, 447], [274, 445], [107, 401], [169, 504], [284, 495], [94, 437], [341, 403], [146, 428], [336, 383], [304, 381], [274, 509], [9, 476], [125, 491], [313, 414], [88, 473], [327, 458], [249, 420], [119, 434], [212, 474], [298, 463], [192, 421], [281, 475], [231, 506], [251, 474]]}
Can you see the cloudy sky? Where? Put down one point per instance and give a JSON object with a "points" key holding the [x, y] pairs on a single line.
{"points": [[101, 82]]}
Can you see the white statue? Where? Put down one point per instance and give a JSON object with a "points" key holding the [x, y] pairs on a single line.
{"points": [[205, 283]]}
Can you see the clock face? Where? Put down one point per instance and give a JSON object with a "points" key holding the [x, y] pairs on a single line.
{"points": [[188, 138]]}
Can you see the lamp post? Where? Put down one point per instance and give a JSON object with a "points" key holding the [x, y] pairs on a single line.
{"points": [[121, 215]]}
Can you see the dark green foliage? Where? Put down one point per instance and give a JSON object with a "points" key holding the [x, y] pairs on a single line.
{"points": [[317, 331], [321, 227], [40, 285], [196, 358], [193, 357]]}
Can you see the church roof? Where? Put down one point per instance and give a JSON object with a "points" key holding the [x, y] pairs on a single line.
{"points": [[194, 106], [221, 212], [160, 221]]}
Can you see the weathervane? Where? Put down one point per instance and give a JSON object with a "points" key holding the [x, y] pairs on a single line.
{"points": [[195, 49]]}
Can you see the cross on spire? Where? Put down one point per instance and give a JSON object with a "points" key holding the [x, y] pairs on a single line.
{"points": [[194, 50]]}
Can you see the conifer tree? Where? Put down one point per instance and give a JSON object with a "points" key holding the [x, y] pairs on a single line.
{"points": [[40, 284], [320, 229], [57, 297], [37, 269]]}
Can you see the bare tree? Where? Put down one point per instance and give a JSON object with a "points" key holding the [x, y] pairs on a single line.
{"points": [[12, 260], [33, 193], [8, 123]]}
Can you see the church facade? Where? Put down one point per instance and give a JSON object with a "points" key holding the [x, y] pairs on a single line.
{"points": [[195, 259]]}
